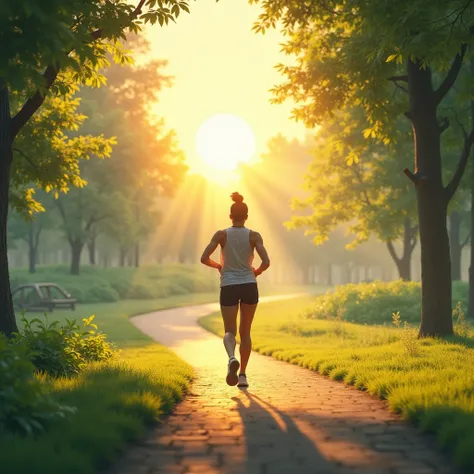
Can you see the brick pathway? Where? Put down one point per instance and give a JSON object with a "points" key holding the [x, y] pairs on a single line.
{"points": [[290, 420]]}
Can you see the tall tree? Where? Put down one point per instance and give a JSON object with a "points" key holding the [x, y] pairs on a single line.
{"points": [[147, 162], [356, 181], [349, 53], [40, 42]]}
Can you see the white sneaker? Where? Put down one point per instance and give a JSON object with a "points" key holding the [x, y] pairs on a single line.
{"points": [[232, 369], [242, 383]]}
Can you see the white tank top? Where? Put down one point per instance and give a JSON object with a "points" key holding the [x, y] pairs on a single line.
{"points": [[237, 258]]}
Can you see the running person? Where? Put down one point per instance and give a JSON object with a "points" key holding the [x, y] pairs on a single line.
{"points": [[238, 284]]}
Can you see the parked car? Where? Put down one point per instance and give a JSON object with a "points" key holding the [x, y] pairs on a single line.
{"points": [[42, 297]]}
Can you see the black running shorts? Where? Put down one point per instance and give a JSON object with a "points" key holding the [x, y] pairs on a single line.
{"points": [[232, 295]]}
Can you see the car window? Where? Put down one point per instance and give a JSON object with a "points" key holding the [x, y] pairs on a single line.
{"points": [[44, 292], [31, 295], [56, 293], [18, 297]]}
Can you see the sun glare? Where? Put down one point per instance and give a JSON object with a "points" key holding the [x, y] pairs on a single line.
{"points": [[225, 140]]}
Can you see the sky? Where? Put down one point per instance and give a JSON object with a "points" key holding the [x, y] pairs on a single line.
{"points": [[220, 66]]}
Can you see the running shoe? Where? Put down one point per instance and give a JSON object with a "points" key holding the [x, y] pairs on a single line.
{"points": [[232, 368], [242, 383]]}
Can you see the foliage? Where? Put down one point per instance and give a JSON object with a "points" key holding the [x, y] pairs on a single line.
{"points": [[374, 303], [292, 159], [26, 406], [120, 199], [108, 285], [48, 157], [347, 51], [433, 388], [63, 350], [76, 37], [357, 181]]}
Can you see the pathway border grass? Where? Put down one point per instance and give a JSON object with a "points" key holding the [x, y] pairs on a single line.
{"points": [[429, 382], [116, 401]]}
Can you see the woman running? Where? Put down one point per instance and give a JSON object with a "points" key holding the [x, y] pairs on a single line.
{"points": [[238, 284]]}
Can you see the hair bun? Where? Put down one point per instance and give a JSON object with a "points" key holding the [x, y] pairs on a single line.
{"points": [[236, 197]]}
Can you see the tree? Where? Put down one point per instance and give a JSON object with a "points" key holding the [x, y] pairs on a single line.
{"points": [[350, 53], [44, 45], [147, 161], [29, 228], [273, 195], [355, 180]]}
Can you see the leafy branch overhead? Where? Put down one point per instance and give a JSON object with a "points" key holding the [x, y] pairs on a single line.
{"points": [[77, 39]]}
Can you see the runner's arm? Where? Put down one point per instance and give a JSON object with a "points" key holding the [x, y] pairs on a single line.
{"points": [[209, 250], [262, 253]]}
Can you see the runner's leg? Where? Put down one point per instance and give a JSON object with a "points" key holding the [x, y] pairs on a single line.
{"points": [[247, 312], [229, 316]]}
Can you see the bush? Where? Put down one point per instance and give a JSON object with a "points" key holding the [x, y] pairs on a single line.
{"points": [[25, 403], [374, 303], [63, 350], [97, 285]]}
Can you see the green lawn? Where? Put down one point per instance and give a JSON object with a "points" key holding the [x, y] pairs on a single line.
{"points": [[115, 401], [429, 382]]}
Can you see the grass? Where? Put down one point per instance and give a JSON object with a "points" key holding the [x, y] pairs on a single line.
{"points": [[115, 401], [429, 382]]}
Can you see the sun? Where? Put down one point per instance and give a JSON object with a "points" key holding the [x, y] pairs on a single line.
{"points": [[225, 140]]}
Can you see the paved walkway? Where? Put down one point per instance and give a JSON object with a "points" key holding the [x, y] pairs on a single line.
{"points": [[290, 420]]}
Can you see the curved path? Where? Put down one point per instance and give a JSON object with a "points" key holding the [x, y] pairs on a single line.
{"points": [[290, 420]]}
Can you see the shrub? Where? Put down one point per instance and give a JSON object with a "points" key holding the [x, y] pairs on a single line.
{"points": [[25, 403], [63, 350], [374, 303], [96, 285]]}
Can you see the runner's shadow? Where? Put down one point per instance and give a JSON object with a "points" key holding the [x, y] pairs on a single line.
{"points": [[274, 443], [277, 444]]}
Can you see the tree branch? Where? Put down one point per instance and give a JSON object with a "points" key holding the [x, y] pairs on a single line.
{"points": [[98, 33], [26, 157], [361, 181], [396, 79], [414, 177], [443, 124], [393, 253], [399, 78], [414, 238], [50, 74], [33, 103], [451, 76], [450, 189]]}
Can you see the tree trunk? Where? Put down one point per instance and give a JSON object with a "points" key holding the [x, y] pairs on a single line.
{"points": [[470, 310], [7, 315], [455, 245], [91, 247], [76, 251], [403, 263], [32, 249], [329, 274], [122, 256], [137, 254], [404, 268], [436, 309]]}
